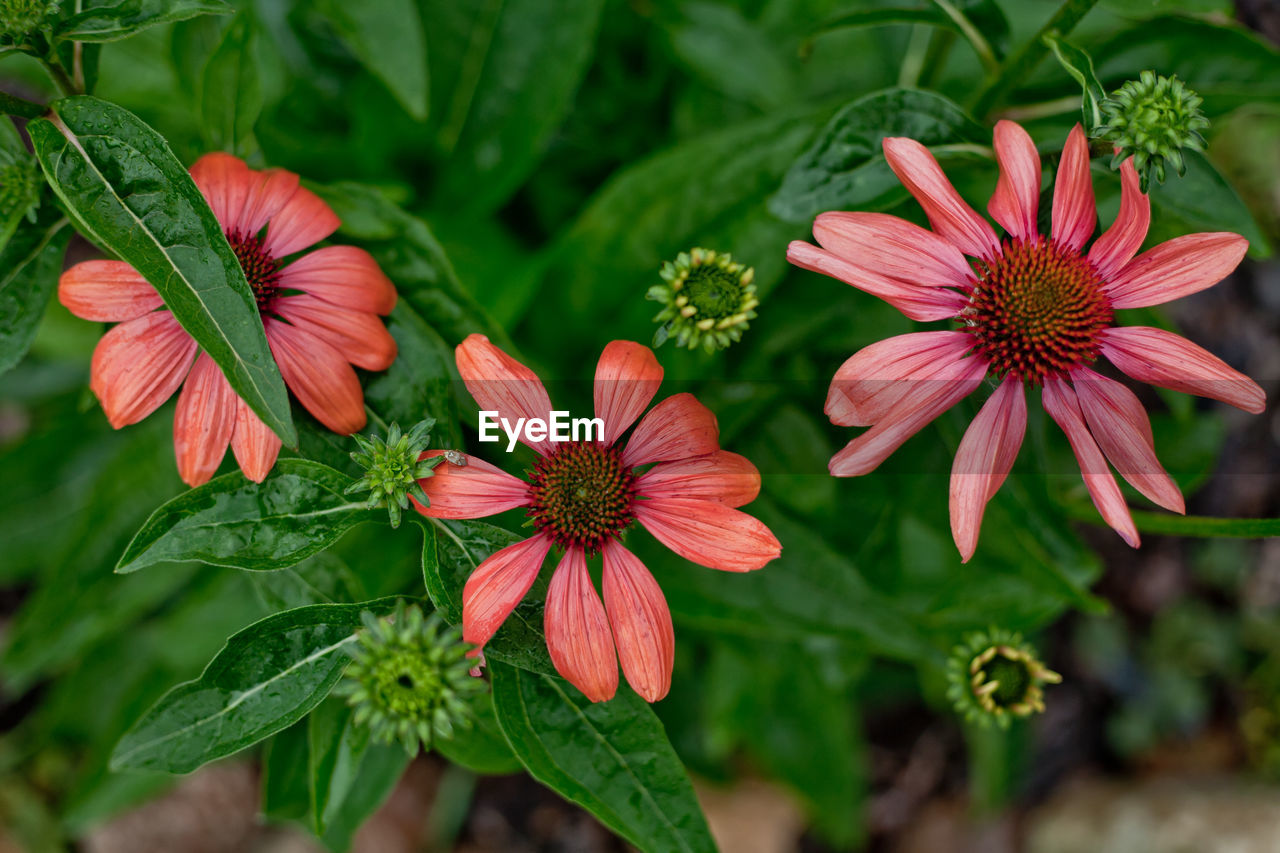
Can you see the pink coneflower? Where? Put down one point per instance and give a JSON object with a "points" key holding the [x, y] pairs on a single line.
{"points": [[1032, 311], [582, 496], [319, 312]]}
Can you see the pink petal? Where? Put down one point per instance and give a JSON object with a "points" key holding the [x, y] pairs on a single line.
{"points": [[1119, 243], [1176, 268], [255, 446], [203, 423], [709, 534], [318, 376], [138, 365], [879, 376], [641, 622], [1061, 404], [721, 477], [226, 183], [474, 490], [951, 217], [907, 417], [676, 428], [501, 384], [1074, 212], [359, 336], [344, 276], [893, 247], [627, 377], [1017, 196], [984, 459], [106, 292], [269, 192], [917, 302], [1171, 361], [578, 635], [1119, 424], [498, 585], [303, 221]]}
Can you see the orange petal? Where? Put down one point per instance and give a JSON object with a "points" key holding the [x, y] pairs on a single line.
{"points": [[1171, 361], [676, 428], [627, 377], [344, 276], [303, 221], [138, 365], [878, 377], [709, 534], [1074, 212], [1177, 268], [318, 376], [984, 459], [578, 635], [893, 247], [255, 446], [474, 490], [498, 585], [360, 337], [721, 477], [106, 292], [641, 622], [267, 196], [501, 384], [916, 301], [950, 215], [1017, 197], [204, 421], [1119, 243], [226, 183]]}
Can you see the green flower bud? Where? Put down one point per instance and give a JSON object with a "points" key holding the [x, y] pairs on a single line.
{"points": [[994, 676], [708, 300], [393, 467], [20, 18], [409, 679], [1152, 119]]}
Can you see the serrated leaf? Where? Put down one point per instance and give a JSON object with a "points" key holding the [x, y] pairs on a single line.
{"points": [[29, 267], [130, 17], [387, 37], [119, 177], [1080, 66], [264, 680], [230, 90], [612, 758], [297, 511]]}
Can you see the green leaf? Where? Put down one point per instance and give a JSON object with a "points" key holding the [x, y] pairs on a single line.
{"points": [[381, 769], [337, 747], [264, 680], [612, 758], [130, 17], [1202, 200], [297, 511], [320, 579], [286, 774], [230, 91], [386, 36], [29, 267], [419, 383], [845, 168], [984, 15], [482, 747], [1080, 66], [119, 177]]}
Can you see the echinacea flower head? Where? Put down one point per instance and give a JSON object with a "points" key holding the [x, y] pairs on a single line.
{"points": [[1031, 311], [1153, 119], [319, 310], [708, 300], [994, 676], [669, 475], [393, 466], [20, 18]]}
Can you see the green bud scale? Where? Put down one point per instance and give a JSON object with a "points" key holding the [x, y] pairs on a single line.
{"points": [[19, 190], [994, 676], [393, 467], [1153, 119], [708, 300], [21, 18], [408, 680]]}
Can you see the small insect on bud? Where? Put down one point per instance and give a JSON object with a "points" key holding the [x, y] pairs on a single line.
{"points": [[1152, 119], [393, 467], [709, 300], [994, 676]]}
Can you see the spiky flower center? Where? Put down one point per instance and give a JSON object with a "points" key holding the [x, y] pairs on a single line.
{"points": [[713, 291], [1011, 679], [261, 268], [1037, 310], [582, 495], [406, 684]]}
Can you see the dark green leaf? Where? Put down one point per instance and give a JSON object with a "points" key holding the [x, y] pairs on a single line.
{"points": [[29, 267], [286, 774], [297, 511], [732, 54], [130, 17], [320, 579], [120, 178], [1202, 200], [984, 15], [483, 747], [612, 758], [230, 92], [419, 383], [386, 36], [264, 680], [381, 769], [1080, 66], [337, 748]]}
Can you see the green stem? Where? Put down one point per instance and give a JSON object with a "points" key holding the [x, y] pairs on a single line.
{"points": [[1044, 109], [913, 58], [980, 45], [1018, 67], [15, 106], [1187, 525], [66, 87], [936, 59]]}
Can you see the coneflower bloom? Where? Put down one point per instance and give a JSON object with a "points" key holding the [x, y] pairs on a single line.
{"points": [[1032, 311], [670, 475], [319, 311]]}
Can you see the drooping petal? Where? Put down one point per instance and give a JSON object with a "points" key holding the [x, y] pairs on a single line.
{"points": [[917, 302], [226, 182], [106, 292], [1061, 404], [984, 459], [138, 365], [1171, 361], [950, 216], [578, 635], [498, 585], [907, 417], [641, 622], [318, 376], [721, 477], [709, 534], [893, 247], [268, 193], [1120, 426], [877, 377], [501, 384], [1176, 268], [344, 276], [303, 221], [474, 490], [676, 428], [1017, 197], [1074, 211], [361, 337], [627, 377], [255, 446], [203, 422], [1119, 243]]}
